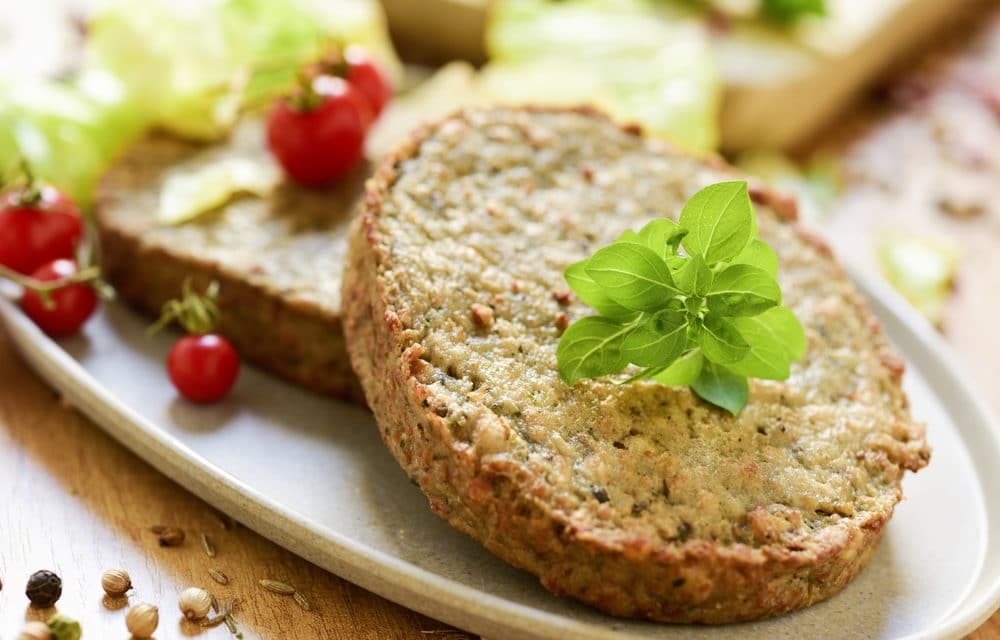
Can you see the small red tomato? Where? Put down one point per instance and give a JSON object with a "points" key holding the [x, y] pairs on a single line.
{"points": [[203, 367], [71, 305], [333, 86], [35, 233], [369, 78], [316, 146]]}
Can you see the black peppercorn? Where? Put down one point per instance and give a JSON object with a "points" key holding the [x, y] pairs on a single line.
{"points": [[44, 588]]}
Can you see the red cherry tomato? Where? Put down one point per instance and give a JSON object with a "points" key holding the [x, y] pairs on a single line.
{"points": [[332, 86], [72, 304], [365, 74], [34, 234], [203, 367], [319, 145]]}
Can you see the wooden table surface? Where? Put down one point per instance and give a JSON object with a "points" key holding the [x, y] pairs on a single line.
{"points": [[75, 501]]}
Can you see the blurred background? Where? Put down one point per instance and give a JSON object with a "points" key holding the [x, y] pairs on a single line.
{"points": [[881, 118]]}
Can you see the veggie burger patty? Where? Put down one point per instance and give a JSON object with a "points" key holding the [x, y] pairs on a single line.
{"points": [[278, 259], [639, 499]]}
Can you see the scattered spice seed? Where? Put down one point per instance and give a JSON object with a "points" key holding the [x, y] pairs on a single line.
{"points": [[218, 576], [230, 623], [278, 587], [171, 537], [142, 620], [301, 601], [227, 609], [214, 621], [158, 528], [116, 582], [215, 603], [195, 603], [44, 589], [208, 546]]}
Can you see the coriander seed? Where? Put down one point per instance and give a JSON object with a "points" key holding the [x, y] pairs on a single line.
{"points": [[142, 620], [35, 630], [44, 588], [116, 582], [195, 603], [62, 627]]}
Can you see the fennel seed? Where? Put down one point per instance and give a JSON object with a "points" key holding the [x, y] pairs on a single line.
{"points": [[208, 546], [278, 587], [218, 576]]}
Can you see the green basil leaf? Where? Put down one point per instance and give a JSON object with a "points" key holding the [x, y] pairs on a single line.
{"points": [[776, 340], [683, 371], [743, 290], [767, 357], [695, 277], [662, 236], [593, 294], [629, 235], [632, 275], [591, 347], [658, 341], [720, 220], [721, 341], [721, 387], [759, 254]]}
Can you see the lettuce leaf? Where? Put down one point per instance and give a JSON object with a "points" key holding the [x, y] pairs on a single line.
{"points": [[627, 57], [180, 58]]}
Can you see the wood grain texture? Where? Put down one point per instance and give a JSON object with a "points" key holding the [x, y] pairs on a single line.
{"points": [[74, 501]]}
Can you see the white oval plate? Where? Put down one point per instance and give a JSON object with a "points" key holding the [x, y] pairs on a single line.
{"points": [[311, 474]]}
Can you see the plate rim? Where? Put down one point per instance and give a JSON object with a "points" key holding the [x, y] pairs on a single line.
{"points": [[385, 574]]}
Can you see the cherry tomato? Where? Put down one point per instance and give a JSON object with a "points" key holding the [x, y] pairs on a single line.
{"points": [[369, 78], [317, 146], [203, 367], [33, 234], [72, 304], [332, 86]]}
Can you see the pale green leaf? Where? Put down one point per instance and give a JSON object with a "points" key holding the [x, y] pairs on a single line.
{"points": [[593, 295], [721, 341], [722, 388], [683, 371], [632, 275], [743, 290], [658, 341], [759, 254], [662, 236], [719, 220], [776, 340], [695, 277], [590, 348]]}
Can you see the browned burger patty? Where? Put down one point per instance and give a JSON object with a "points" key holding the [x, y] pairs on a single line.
{"points": [[278, 259], [638, 499]]}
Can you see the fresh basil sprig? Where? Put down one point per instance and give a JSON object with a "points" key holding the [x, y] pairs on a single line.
{"points": [[709, 317]]}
